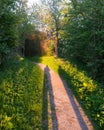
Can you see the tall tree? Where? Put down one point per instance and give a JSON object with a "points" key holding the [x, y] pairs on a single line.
{"points": [[85, 33], [25, 25], [55, 9], [51, 17]]}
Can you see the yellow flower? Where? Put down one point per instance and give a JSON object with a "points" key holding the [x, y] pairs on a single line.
{"points": [[84, 84]]}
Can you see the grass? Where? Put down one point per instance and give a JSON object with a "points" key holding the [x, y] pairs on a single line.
{"points": [[21, 94], [89, 92], [47, 60]]}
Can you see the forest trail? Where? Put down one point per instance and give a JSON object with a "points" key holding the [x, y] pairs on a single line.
{"points": [[66, 112]]}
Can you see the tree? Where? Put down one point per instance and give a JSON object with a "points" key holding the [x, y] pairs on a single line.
{"points": [[8, 27], [25, 25], [50, 17], [85, 34], [55, 8]]}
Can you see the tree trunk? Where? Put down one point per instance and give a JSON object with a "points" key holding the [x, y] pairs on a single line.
{"points": [[0, 58], [56, 43]]}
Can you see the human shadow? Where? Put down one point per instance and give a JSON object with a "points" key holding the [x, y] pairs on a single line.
{"points": [[72, 100], [48, 100]]}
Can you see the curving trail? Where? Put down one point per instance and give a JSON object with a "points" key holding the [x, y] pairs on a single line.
{"points": [[66, 112]]}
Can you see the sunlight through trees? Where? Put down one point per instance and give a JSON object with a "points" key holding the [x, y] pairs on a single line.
{"points": [[70, 29]]}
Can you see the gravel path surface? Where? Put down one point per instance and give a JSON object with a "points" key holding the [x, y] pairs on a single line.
{"points": [[66, 112]]}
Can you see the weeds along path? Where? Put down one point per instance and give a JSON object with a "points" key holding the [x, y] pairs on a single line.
{"points": [[66, 113]]}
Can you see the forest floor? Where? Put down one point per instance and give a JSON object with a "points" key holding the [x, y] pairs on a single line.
{"points": [[66, 112]]}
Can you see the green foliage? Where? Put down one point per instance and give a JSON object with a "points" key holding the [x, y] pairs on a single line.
{"points": [[8, 26], [90, 93], [15, 25], [25, 25], [85, 35], [21, 91]]}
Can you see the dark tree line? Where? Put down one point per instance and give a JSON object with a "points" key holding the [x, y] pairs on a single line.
{"points": [[8, 27], [85, 35], [15, 26]]}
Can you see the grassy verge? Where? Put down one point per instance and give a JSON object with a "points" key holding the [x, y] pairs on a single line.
{"points": [[90, 93], [21, 93]]}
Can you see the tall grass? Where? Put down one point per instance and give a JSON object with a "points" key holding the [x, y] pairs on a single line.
{"points": [[21, 91]]}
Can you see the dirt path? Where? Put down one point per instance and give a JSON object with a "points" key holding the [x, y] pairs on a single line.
{"points": [[66, 112]]}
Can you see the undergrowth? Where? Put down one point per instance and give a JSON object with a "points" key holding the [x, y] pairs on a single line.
{"points": [[21, 91], [90, 93]]}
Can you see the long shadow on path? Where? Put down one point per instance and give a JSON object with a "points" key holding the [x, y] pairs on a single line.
{"points": [[48, 97], [69, 115], [75, 105]]}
